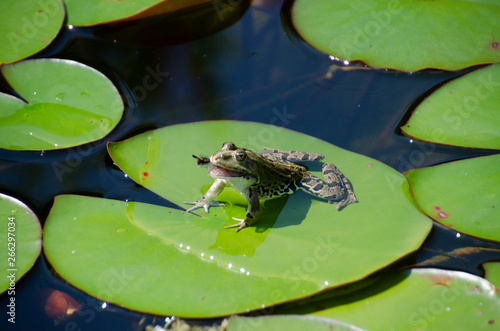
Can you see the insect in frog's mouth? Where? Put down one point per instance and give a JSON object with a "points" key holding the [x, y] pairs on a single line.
{"points": [[218, 172]]}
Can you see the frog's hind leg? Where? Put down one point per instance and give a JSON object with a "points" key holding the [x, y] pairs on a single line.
{"points": [[337, 187], [334, 177]]}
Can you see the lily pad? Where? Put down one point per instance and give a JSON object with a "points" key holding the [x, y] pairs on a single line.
{"points": [[493, 273], [299, 246], [20, 239], [65, 104], [463, 112], [93, 12], [288, 322], [430, 299], [462, 195], [168, 262], [405, 35], [28, 26]]}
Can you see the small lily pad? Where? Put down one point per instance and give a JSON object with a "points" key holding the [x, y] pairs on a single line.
{"points": [[288, 322], [462, 113], [418, 299], [405, 35], [93, 12], [28, 26], [462, 195], [20, 239], [65, 104]]}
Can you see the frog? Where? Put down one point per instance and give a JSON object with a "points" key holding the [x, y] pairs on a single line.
{"points": [[269, 174]]}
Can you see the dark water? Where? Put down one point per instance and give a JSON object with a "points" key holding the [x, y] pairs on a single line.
{"points": [[216, 65]]}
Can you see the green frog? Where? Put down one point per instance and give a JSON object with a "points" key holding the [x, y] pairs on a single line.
{"points": [[269, 174]]}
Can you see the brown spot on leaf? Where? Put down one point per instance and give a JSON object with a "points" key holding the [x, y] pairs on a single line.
{"points": [[146, 163], [369, 165], [494, 45], [490, 322], [442, 214]]}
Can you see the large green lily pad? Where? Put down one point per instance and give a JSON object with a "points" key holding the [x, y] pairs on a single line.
{"points": [[288, 322], [93, 12], [462, 195], [298, 247], [430, 299], [65, 104], [463, 112], [165, 261], [20, 239], [405, 35], [28, 26]]}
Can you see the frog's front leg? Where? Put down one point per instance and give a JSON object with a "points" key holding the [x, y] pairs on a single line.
{"points": [[252, 211], [336, 189], [207, 200]]}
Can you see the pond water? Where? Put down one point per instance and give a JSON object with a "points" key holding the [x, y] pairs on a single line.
{"points": [[256, 69]]}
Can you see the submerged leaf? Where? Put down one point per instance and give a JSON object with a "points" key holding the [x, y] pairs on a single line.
{"points": [[20, 239], [463, 112], [67, 104], [405, 35], [462, 195]]}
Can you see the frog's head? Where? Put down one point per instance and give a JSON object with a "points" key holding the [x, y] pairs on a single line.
{"points": [[232, 161]]}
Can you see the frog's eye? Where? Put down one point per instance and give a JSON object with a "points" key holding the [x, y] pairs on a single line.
{"points": [[240, 155], [228, 146]]}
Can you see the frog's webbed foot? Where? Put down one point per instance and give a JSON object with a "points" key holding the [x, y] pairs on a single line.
{"points": [[239, 225], [350, 198], [203, 203], [243, 222], [336, 179]]}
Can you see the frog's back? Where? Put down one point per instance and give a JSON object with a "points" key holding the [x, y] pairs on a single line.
{"points": [[278, 178]]}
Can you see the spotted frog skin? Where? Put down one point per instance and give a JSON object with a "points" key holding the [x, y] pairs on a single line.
{"points": [[269, 174]]}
